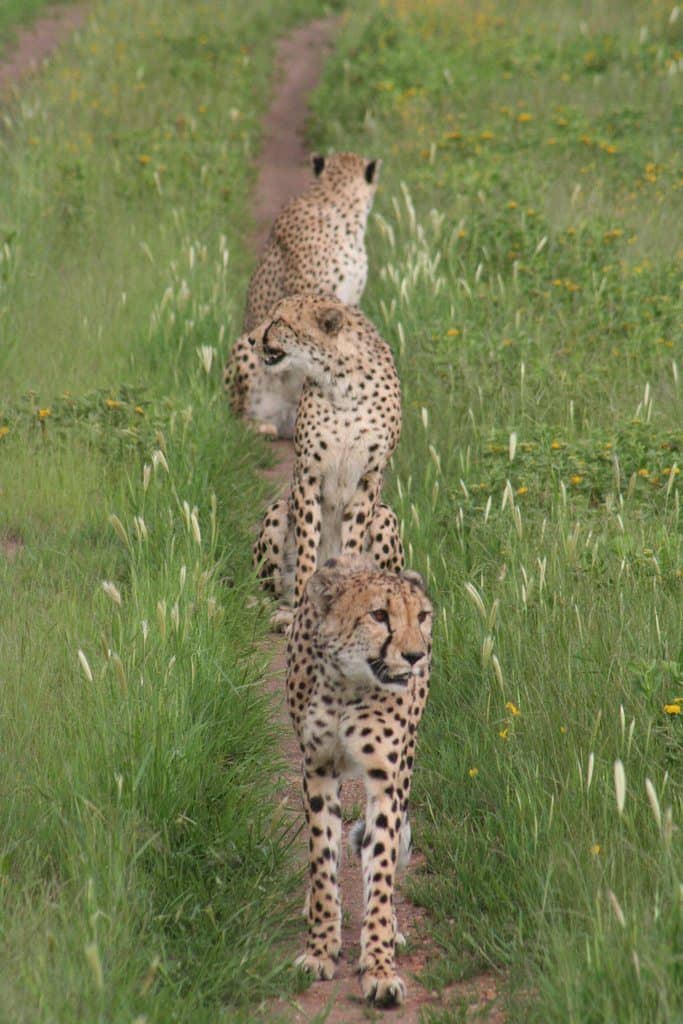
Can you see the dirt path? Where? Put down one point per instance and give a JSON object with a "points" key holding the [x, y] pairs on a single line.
{"points": [[37, 41], [284, 170]]}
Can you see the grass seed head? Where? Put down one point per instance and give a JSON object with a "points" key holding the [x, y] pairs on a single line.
{"points": [[620, 785]]}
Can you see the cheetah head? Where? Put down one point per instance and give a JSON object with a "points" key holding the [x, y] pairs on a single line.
{"points": [[375, 628], [348, 173], [304, 333]]}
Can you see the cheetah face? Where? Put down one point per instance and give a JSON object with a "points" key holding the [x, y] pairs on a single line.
{"points": [[301, 334], [375, 627]]}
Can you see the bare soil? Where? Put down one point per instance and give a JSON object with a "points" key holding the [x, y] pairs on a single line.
{"points": [[283, 171], [37, 41]]}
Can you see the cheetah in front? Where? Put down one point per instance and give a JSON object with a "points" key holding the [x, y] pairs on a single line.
{"points": [[317, 244], [347, 427], [358, 663]]}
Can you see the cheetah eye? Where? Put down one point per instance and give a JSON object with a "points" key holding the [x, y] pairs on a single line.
{"points": [[422, 616], [380, 615]]}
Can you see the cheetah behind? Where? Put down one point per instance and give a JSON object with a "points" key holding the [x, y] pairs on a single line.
{"points": [[348, 422], [317, 244]]}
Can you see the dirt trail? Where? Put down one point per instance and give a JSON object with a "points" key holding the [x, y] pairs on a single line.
{"points": [[284, 170], [37, 41]]}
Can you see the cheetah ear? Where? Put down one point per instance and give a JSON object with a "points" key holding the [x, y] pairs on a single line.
{"points": [[318, 162], [372, 170], [410, 576], [330, 320], [322, 587]]}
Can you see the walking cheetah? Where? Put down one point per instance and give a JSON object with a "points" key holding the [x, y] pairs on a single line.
{"points": [[317, 244], [358, 662], [348, 422]]}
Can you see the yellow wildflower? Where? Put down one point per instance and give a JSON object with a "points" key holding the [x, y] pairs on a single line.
{"points": [[453, 332], [525, 117], [44, 413], [486, 135], [473, 772], [522, 490], [556, 445], [595, 850], [643, 472], [4, 431], [113, 403], [512, 708], [512, 205], [575, 479], [673, 709], [144, 159], [139, 410], [504, 732]]}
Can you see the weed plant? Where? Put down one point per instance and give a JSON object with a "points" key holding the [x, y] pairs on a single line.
{"points": [[144, 864], [526, 268]]}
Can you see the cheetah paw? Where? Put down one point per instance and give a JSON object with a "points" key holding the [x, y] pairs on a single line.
{"points": [[281, 620], [321, 968], [383, 990], [267, 430]]}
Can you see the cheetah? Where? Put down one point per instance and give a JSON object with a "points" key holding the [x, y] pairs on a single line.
{"points": [[317, 244], [347, 427], [274, 551], [358, 664]]}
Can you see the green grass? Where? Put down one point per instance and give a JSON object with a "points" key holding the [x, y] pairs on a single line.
{"points": [[526, 265], [144, 864]]}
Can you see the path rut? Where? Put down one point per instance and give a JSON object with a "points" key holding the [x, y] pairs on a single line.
{"points": [[284, 171]]}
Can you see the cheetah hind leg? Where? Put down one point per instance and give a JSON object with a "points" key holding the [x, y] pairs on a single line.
{"points": [[383, 540], [273, 555], [405, 847]]}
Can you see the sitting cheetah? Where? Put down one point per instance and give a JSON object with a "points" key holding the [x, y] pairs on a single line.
{"points": [[347, 427], [317, 244], [274, 552], [358, 662]]}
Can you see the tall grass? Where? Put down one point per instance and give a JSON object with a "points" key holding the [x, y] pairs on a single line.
{"points": [[527, 255], [143, 859]]}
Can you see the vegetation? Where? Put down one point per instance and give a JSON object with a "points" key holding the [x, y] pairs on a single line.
{"points": [[526, 267], [143, 862]]}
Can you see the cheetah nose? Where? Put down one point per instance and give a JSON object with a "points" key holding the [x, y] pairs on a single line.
{"points": [[412, 657], [252, 341]]}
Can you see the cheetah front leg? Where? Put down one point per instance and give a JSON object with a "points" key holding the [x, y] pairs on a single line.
{"points": [[306, 500], [359, 513], [379, 853], [383, 540], [323, 813]]}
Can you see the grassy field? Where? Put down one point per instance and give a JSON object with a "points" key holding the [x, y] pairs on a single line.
{"points": [[143, 866], [526, 267], [526, 264]]}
